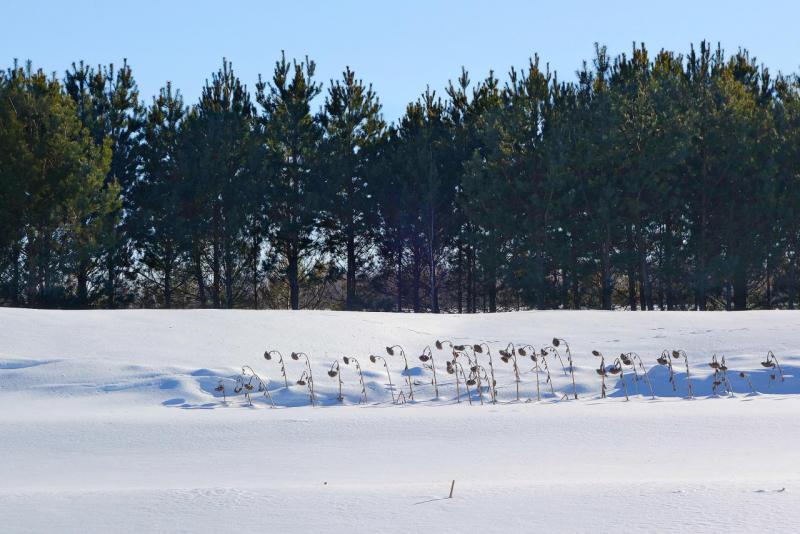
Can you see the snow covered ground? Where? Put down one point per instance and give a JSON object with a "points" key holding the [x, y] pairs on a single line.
{"points": [[109, 421]]}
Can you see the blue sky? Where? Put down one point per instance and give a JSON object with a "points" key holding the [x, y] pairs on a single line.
{"points": [[398, 46]]}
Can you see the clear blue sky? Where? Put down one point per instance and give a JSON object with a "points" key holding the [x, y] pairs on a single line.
{"points": [[398, 46]]}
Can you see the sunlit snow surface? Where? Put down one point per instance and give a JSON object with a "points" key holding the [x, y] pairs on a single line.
{"points": [[109, 421]]}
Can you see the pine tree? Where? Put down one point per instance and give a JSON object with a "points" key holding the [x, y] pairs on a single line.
{"points": [[353, 128], [292, 136]]}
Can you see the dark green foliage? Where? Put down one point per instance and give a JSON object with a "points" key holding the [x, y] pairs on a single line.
{"points": [[651, 181]]}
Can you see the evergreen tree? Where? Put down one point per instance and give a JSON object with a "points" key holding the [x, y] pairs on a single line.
{"points": [[353, 128], [291, 174]]}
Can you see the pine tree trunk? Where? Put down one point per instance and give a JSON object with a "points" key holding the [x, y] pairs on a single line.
{"points": [[740, 287], [15, 273], [434, 294], [350, 300], [83, 283], [215, 261], [542, 279], [605, 266], [168, 281], [197, 261], [33, 270], [229, 267], [294, 277], [491, 289], [417, 275], [399, 254], [667, 265], [792, 283], [470, 276], [111, 280], [254, 256], [460, 278]]}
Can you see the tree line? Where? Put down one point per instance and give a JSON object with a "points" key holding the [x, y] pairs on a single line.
{"points": [[665, 181]]}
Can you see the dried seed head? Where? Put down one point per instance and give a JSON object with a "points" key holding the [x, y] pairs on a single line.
{"points": [[295, 356], [723, 367], [676, 354], [556, 342], [332, 373], [301, 382], [219, 388], [471, 382], [424, 357], [625, 359], [504, 353], [477, 348], [438, 344], [595, 353], [346, 360], [458, 347], [767, 364], [505, 358], [390, 351], [714, 365], [741, 374], [522, 351], [267, 355], [248, 387], [533, 358], [661, 360], [372, 358]]}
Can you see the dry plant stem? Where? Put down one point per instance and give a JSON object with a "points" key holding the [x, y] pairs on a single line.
{"points": [[538, 389], [460, 369], [557, 341], [523, 350], [478, 383], [268, 356], [543, 354], [240, 385], [482, 369], [374, 358], [347, 360], [714, 364], [473, 366], [221, 387], [296, 356], [626, 360], [427, 354], [451, 369], [390, 351], [602, 372], [773, 359], [635, 357], [665, 359], [493, 387], [335, 371], [511, 354], [262, 385], [682, 354], [742, 374], [725, 377], [307, 381], [618, 366]]}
